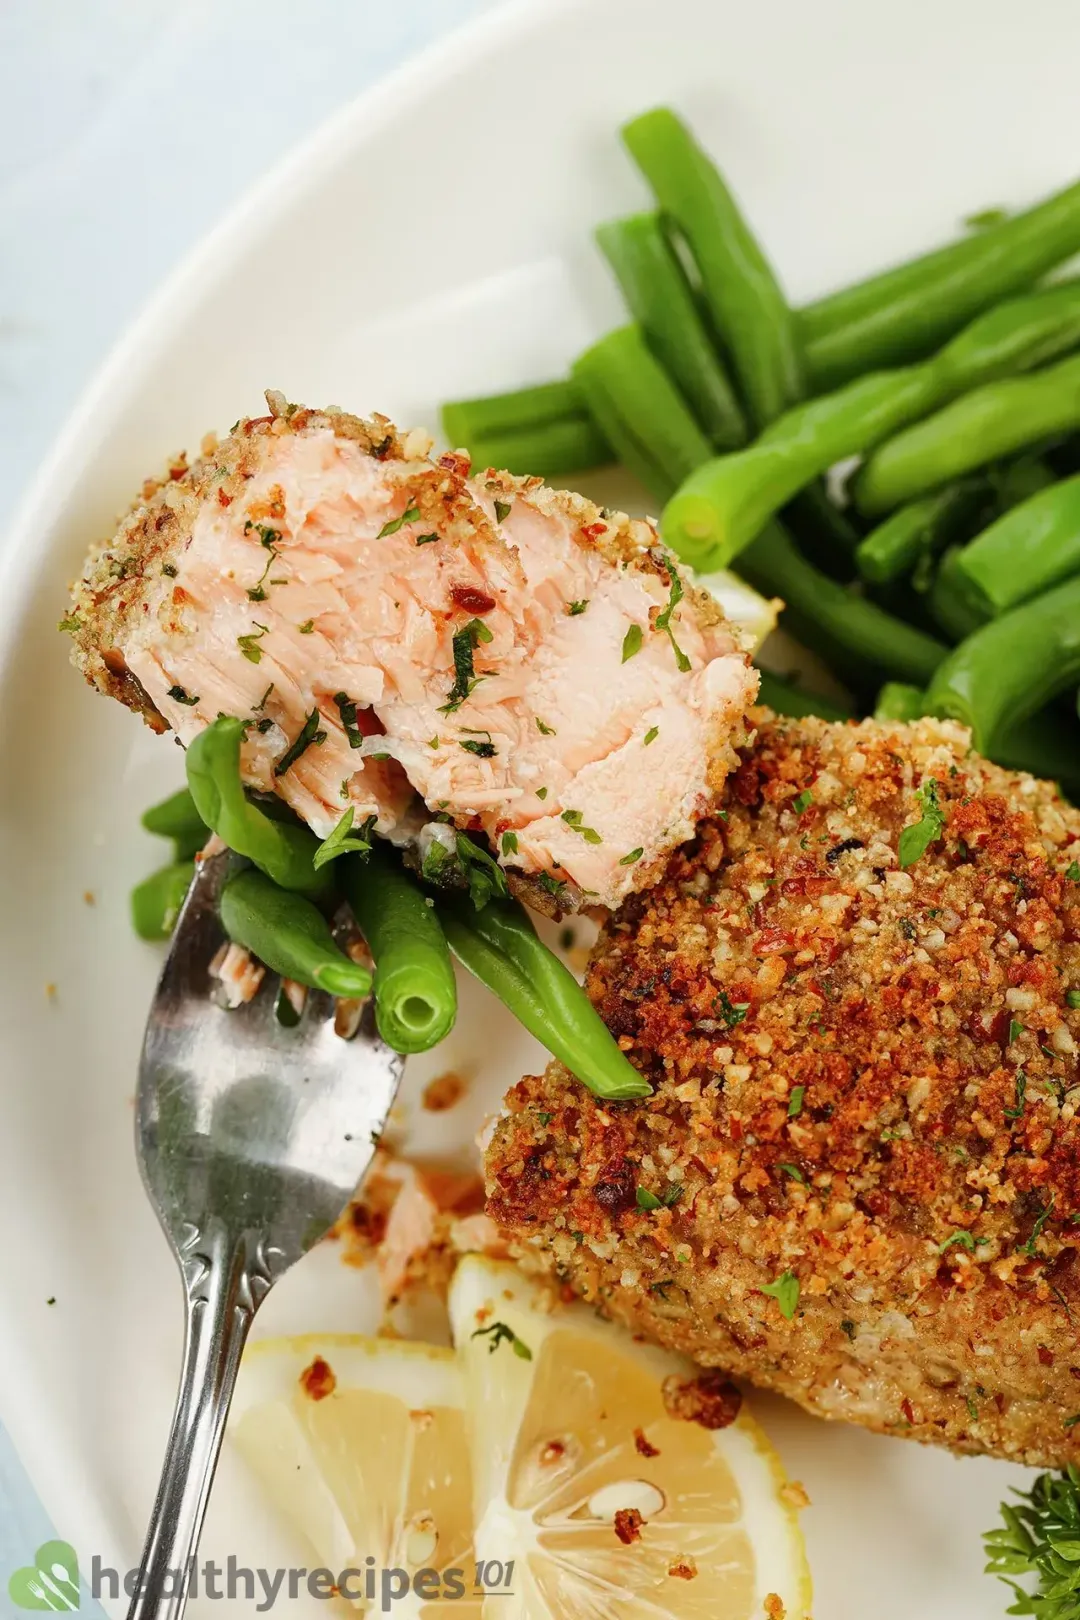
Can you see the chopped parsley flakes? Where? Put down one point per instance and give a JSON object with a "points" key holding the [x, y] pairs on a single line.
{"points": [[916, 839], [785, 1291], [651, 735], [347, 711], [248, 644], [498, 1333], [310, 735], [632, 642], [343, 840], [632, 856], [795, 1102], [663, 620], [178, 695], [732, 1012], [574, 608], [573, 820], [802, 802], [963, 1240], [410, 515], [464, 644], [649, 1200], [1021, 1091]]}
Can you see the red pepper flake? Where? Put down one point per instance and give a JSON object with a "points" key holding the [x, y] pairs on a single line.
{"points": [[593, 531], [644, 1448], [553, 1452], [1045, 1356], [318, 1380], [709, 1399], [456, 461], [908, 1410], [223, 499], [683, 1569], [773, 942], [628, 1523], [471, 599]]}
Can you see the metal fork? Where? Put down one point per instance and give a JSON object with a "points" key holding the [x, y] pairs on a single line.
{"points": [[251, 1138]]}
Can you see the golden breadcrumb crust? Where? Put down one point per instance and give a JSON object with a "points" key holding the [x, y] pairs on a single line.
{"points": [[858, 1179]]}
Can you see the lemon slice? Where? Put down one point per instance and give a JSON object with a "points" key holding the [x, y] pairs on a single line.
{"points": [[609, 1506], [361, 1443]]}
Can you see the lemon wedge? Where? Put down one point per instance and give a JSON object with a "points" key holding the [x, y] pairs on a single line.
{"points": [[595, 1475], [361, 1444]]}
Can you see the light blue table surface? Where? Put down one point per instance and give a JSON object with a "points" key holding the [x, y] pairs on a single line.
{"points": [[127, 127]]}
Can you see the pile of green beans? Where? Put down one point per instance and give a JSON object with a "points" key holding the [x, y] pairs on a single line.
{"points": [[951, 381], [280, 909]]}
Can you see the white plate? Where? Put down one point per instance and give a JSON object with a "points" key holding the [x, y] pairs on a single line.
{"points": [[433, 241]]}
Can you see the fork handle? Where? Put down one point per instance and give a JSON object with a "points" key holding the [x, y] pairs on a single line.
{"points": [[220, 1308]]}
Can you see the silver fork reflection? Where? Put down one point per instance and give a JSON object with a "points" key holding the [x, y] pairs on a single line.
{"points": [[252, 1138]]}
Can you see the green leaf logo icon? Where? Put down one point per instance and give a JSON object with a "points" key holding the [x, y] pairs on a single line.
{"points": [[50, 1582]]}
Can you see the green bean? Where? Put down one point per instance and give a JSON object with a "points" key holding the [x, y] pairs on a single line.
{"points": [[783, 697], [499, 945], [952, 602], [826, 534], [727, 501], [904, 313], [546, 450], [1033, 546], [1012, 667], [640, 410], [856, 638], [899, 701], [1020, 478], [284, 852], [495, 416], [1045, 745], [289, 934], [920, 530], [991, 422], [415, 992], [748, 308], [156, 901], [660, 299], [177, 818]]}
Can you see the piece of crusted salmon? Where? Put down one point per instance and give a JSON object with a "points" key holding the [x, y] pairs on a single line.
{"points": [[533, 667]]}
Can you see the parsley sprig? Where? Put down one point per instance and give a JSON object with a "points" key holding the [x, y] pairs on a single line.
{"points": [[1041, 1538]]}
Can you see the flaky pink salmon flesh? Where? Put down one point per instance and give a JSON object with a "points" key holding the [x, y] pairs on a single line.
{"points": [[529, 665]]}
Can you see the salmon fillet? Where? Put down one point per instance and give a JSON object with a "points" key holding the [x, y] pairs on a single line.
{"points": [[857, 1182], [530, 665]]}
